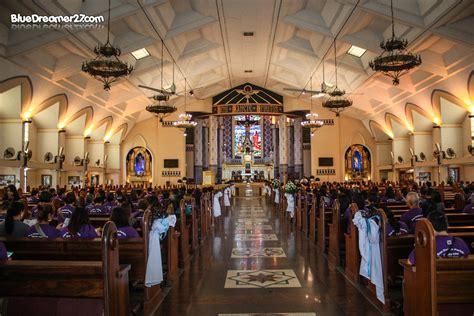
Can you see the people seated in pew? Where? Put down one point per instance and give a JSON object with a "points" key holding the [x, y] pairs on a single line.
{"points": [[391, 197], [12, 194], [96, 208], [446, 246], [3, 209], [65, 212], [436, 202], [414, 212], [44, 197], [34, 197], [110, 203], [3, 252], [13, 226], [43, 228], [79, 226], [469, 208], [120, 216], [394, 227]]}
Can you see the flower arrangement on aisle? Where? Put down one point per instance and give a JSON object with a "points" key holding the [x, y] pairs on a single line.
{"points": [[276, 184], [290, 187], [290, 190]]}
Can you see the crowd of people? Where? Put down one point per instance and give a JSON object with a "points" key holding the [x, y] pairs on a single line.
{"points": [[422, 201], [52, 213], [66, 214]]}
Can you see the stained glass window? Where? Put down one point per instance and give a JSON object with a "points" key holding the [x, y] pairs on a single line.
{"points": [[255, 135]]}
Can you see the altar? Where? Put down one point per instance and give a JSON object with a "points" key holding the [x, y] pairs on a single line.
{"points": [[249, 158]]}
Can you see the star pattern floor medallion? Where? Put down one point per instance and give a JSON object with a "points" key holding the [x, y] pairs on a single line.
{"points": [[261, 279]]}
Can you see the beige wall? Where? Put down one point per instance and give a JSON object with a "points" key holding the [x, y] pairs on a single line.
{"points": [[162, 142], [333, 141]]}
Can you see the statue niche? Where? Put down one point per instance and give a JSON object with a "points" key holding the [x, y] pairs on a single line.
{"points": [[357, 163], [139, 166]]}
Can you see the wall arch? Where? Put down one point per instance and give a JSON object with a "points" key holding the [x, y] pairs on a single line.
{"points": [[389, 118], [88, 111], [436, 96], [26, 90], [58, 98], [139, 165], [377, 130], [358, 162], [410, 108]]}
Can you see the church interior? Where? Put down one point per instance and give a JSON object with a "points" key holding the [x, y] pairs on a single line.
{"points": [[236, 157]]}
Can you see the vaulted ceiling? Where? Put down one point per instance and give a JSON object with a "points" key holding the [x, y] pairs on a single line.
{"points": [[292, 42]]}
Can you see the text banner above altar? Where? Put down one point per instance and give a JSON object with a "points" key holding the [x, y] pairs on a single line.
{"points": [[236, 109]]}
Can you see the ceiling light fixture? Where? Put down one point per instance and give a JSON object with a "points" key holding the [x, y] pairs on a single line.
{"points": [[185, 120], [140, 53], [106, 66], [395, 61], [312, 122], [160, 107], [336, 102], [356, 51]]}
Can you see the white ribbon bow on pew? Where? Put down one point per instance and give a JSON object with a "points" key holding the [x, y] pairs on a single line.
{"points": [[154, 267]]}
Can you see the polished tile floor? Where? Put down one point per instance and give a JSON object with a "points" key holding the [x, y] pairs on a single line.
{"points": [[256, 263]]}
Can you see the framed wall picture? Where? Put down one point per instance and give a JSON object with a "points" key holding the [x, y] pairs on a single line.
{"points": [[424, 176], [74, 180], [7, 179], [95, 179], [46, 180]]}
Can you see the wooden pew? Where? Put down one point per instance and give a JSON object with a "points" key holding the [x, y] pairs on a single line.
{"points": [[194, 226], [133, 251], [312, 219], [438, 282], [336, 236], [184, 229], [298, 209], [106, 279], [323, 217], [352, 250]]}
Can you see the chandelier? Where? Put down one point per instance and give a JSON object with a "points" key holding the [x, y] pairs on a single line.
{"points": [[395, 61], [337, 102], [106, 66], [160, 107], [185, 120], [312, 122]]}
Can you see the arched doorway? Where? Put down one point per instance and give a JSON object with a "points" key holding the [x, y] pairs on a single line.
{"points": [[358, 163], [139, 166]]}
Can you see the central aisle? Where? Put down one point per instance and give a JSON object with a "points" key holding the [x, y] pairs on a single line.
{"points": [[256, 262]]}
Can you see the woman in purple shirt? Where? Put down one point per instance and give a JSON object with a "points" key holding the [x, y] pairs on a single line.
{"points": [[469, 208], [67, 210], [79, 225], [121, 217], [3, 252], [414, 214], [446, 246], [394, 227], [42, 229]]}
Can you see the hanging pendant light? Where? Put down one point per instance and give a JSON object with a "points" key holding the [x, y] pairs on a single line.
{"points": [[161, 107], [337, 102], [312, 122], [106, 66], [395, 61], [185, 120]]}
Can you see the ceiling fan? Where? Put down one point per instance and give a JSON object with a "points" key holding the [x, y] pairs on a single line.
{"points": [[325, 87], [164, 93]]}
